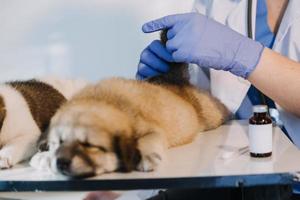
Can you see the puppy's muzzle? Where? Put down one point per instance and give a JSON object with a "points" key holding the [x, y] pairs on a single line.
{"points": [[63, 164], [65, 155]]}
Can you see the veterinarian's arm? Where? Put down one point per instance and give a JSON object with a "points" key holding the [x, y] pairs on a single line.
{"points": [[194, 38], [279, 78]]}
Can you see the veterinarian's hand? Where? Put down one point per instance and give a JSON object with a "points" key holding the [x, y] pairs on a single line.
{"points": [[194, 38], [154, 60]]}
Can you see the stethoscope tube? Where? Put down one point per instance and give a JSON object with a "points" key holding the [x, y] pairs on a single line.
{"points": [[249, 19], [250, 35]]}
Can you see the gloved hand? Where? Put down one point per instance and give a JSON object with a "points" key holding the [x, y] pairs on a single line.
{"points": [[193, 38], [154, 60]]}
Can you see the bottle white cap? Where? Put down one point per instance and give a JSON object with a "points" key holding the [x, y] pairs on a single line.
{"points": [[260, 109]]}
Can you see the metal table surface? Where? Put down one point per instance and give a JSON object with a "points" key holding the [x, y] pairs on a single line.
{"points": [[210, 161]]}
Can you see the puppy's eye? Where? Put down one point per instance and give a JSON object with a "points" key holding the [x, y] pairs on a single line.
{"points": [[88, 145]]}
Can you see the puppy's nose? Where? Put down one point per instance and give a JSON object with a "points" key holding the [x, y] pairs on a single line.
{"points": [[63, 164]]}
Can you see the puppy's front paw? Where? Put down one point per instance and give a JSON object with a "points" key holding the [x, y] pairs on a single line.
{"points": [[41, 161], [149, 162], [5, 162]]}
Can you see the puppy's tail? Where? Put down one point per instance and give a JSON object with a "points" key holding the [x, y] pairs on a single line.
{"points": [[178, 73]]}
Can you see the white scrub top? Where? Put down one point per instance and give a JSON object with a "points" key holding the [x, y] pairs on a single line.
{"points": [[287, 42]]}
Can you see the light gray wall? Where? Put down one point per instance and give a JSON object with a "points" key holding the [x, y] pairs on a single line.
{"points": [[89, 39]]}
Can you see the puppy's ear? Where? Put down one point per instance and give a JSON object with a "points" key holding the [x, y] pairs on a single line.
{"points": [[128, 154], [2, 111]]}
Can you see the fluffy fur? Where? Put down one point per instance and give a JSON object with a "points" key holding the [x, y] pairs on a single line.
{"points": [[125, 125], [26, 108]]}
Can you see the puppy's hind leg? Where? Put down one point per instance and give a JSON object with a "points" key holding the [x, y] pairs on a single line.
{"points": [[152, 147]]}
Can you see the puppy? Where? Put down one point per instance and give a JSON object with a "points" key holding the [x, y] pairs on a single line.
{"points": [[124, 125], [26, 108]]}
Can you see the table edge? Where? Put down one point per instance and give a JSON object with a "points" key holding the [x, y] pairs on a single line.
{"points": [[149, 183]]}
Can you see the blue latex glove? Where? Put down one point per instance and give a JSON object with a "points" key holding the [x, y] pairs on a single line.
{"points": [[194, 38], [154, 60]]}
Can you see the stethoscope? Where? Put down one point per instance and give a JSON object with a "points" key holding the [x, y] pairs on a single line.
{"points": [[250, 35], [249, 19]]}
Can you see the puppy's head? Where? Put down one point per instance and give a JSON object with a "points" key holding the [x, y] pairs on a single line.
{"points": [[91, 139]]}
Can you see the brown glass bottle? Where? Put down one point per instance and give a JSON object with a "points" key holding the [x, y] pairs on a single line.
{"points": [[260, 132]]}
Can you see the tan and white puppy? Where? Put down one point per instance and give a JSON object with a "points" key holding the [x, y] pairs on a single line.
{"points": [[124, 125], [26, 108]]}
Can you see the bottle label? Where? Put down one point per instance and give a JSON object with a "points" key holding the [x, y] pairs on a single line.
{"points": [[260, 138]]}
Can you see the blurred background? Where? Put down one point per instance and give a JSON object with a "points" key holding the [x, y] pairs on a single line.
{"points": [[88, 39]]}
